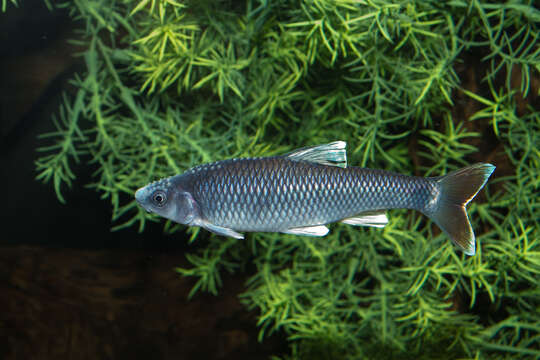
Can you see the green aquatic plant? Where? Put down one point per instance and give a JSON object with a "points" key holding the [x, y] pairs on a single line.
{"points": [[170, 84], [5, 2]]}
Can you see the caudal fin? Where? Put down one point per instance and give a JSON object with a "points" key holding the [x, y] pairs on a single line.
{"points": [[456, 190]]}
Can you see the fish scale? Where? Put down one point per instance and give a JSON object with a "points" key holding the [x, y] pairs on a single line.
{"points": [[280, 193]]}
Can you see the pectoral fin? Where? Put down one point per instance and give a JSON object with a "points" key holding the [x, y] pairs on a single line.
{"points": [[369, 218], [317, 230], [220, 230]]}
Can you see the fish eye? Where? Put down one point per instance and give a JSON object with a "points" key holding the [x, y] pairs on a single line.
{"points": [[159, 198]]}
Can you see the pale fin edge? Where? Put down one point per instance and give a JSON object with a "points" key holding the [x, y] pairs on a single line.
{"points": [[368, 218], [220, 230], [332, 154], [317, 230]]}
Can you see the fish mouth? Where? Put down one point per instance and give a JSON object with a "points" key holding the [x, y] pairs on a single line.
{"points": [[145, 208]]}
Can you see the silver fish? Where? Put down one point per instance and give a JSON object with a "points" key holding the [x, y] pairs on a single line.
{"points": [[300, 192]]}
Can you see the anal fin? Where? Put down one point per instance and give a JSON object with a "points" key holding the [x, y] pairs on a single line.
{"points": [[368, 218], [316, 230]]}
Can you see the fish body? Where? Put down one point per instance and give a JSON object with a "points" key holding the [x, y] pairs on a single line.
{"points": [[276, 194], [301, 192]]}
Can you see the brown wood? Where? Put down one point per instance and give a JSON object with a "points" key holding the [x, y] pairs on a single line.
{"points": [[79, 304]]}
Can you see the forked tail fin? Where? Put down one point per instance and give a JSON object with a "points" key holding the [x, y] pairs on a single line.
{"points": [[456, 190]]}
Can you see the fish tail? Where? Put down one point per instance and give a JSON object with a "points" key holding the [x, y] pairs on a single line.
{"points": [[456, 189]]}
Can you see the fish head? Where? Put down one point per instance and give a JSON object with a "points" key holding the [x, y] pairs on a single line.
{"points": [[167, 199]]}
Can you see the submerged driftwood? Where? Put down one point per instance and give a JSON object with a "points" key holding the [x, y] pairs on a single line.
{"points": [[81, 304]]}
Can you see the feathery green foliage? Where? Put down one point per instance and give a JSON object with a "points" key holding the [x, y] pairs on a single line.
{"points": [[170, 84], [5, 2]]}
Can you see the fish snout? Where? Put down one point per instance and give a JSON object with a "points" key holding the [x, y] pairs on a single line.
{"points": [[140, 196]]}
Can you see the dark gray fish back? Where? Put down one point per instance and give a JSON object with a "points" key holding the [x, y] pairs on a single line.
{"points": [[277, 193]]}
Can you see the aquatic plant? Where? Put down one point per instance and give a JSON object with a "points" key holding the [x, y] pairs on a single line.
{"points": [[4, 4], [171, 84]]}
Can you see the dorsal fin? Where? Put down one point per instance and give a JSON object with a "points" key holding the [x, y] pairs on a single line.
{"points": [[332, 154]]}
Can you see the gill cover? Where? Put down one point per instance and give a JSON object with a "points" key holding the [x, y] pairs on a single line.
{"points": [[186, 210]]}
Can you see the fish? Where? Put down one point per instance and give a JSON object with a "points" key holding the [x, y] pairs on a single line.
{"points": [[303, 191]]}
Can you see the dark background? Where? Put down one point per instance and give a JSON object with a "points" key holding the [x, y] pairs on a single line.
{"points": [[69, 287]]}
